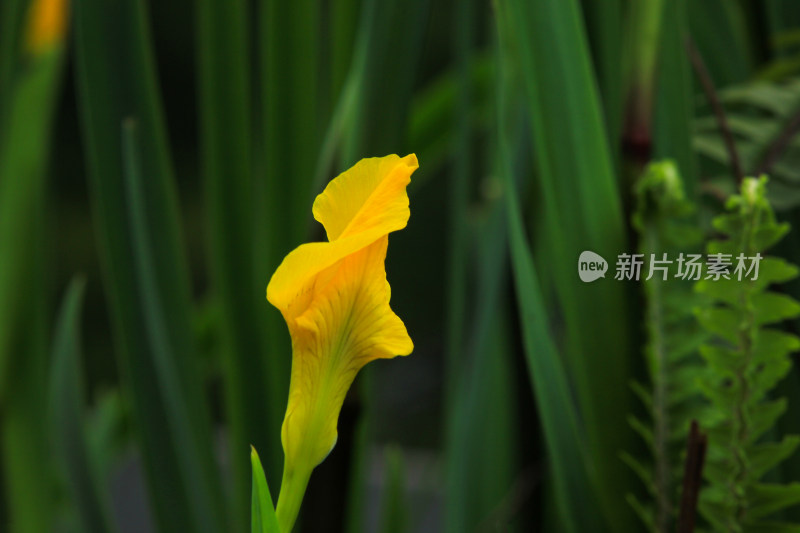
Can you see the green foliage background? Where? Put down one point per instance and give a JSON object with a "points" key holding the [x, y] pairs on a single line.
{"points": [[157, 166]]}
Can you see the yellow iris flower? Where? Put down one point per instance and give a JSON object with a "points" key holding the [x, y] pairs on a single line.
{"points": [[334, 297]]}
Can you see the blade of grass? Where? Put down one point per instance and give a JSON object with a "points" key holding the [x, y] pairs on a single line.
{"points": [[162, 342], [782, 15], [291, 92], [145, 271], [464, 507], [437, 108], [23, 155], [603, 19], [344, 16], [226, 146], [27, 468], [67, 417], [290, 96], [674, 104], [383, 77], [719, 28], [357, 485], [460, 179], [10, 23], [347, 105], [480, 447], [24, 149], [380, 122], [572, 475], [394, 509], [582, 211], [263, 519]]}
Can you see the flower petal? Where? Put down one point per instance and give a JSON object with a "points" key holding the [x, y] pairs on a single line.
{"points": [[296, 274], [347, 323], [356, 208], [371, 194]]}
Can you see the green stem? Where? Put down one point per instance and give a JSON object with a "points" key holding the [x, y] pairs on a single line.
{"points": [[658, 371], [747, 333], [293, 488]]}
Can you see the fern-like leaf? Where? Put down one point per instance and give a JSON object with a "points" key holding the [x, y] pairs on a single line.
{"points": [[744, 361], [664, 221]]}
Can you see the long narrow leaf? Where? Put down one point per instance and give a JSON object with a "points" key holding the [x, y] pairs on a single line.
{"points": [[67, 415], [10, 24], [228, 178], [571, 470], [382, 94], [582, 211], [719, 28], [145, 272], [394, 508], [25, 128], [290, 91], [263, 519], [604, 27], [192, 457], [551, 387], [674, 104], [481, 434]]}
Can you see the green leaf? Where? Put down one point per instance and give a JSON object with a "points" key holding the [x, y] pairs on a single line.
{"points": [[759, 114], [573, 475], [768, 414], [147, 282], [666, 226], [263, 519], [604, 27], [11, 16], [253, 407], [292, 94], [780, 99], [764, 457], [766, 499], [357, 489], [643, 472], [394, 511], [438, 118], [550, 384], [163, 343], [745, 362], [773, 527], [642, 430], [771, 307], [776, 270], [773, 344], [674, 97], [67, 417], [719, 29], [644, 512], [27, 108], [581, 207], [24, 150], [482, 403], [720, 321]]}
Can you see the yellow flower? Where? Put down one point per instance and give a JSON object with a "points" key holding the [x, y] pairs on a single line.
{"points": [[47, 24], [334, 297]]}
